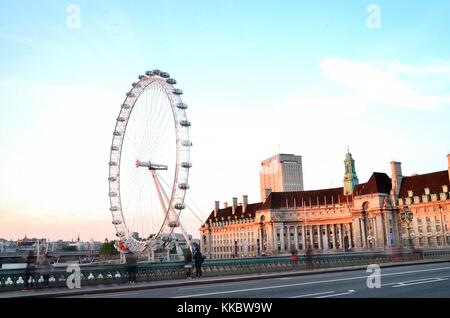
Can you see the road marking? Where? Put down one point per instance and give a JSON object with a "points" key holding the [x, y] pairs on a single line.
{"points": [[316, 294], [417, 282], [307, 283], [350, 291]]}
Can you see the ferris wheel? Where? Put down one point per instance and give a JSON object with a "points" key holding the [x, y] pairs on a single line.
{"points": [[149, 164]]}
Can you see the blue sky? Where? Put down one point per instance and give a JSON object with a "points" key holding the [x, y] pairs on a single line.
{"points": [[261, 77]]}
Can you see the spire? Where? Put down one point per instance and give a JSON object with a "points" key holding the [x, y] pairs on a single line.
{"points": [[350, 178]]}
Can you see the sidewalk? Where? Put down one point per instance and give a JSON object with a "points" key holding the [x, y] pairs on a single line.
{"points": [[112, 288]]}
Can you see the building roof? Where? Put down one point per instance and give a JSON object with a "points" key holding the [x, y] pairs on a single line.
{"points": [[418, 183], [379, 182], [277, 200], [228, 211]]}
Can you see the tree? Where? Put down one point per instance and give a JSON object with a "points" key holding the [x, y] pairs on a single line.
{"points": [[108, 249]]}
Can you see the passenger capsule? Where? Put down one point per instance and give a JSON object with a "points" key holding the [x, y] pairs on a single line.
{"points": [[186, 165]]}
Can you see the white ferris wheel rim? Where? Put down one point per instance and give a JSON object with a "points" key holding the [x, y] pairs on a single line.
{"points": [[175, 199]]}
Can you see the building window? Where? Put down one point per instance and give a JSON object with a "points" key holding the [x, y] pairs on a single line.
{"points": [[444, 188], [410, 193], [427, 191]]}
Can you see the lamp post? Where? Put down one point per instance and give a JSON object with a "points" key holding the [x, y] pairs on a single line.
{"points": [[407, 217]]}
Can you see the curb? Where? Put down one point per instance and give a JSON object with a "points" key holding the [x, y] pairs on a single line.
{"points": [[213, 280]]}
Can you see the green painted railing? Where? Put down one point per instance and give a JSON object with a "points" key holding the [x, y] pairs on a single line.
{"points": [[118, 274]]}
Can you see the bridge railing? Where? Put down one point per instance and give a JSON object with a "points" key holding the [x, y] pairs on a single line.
{"points": [[157, 271]]}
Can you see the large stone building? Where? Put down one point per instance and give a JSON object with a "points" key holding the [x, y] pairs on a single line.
{"points": [[281, 173], [354, 217]]}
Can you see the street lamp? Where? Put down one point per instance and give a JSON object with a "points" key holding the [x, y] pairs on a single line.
{"points": [[407, 217]]}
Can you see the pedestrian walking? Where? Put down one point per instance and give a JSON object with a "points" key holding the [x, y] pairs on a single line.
{"points": [[44, 267], [346, 243], [131, 262], [29, 271], [188, 263], [198, 258], [309, 257]]}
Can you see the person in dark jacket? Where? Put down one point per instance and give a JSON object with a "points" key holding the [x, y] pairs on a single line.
{"points": [[29, 271], [188, 263], [131, 267], [198, 258]]}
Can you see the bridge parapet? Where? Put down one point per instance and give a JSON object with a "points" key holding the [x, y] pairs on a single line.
{"points": [[156, 271]]}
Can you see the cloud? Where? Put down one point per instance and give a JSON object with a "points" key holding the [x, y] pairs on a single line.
{"points": [[373, 84], [409, 69]]}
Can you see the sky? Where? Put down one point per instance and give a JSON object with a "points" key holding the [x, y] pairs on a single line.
{"points": [[260, 77]]}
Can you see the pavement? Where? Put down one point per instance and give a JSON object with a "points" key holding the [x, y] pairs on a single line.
{"points": [[413, 279]]}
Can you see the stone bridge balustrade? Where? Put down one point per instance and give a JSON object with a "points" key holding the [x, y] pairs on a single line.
{"points": [[117, 274]]}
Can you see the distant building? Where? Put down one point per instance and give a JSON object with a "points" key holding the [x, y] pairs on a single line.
{"points": [[356, 217], [281, 173]]}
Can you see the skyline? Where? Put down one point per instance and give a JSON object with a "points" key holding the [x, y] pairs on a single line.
{"points": [[307, 79]]}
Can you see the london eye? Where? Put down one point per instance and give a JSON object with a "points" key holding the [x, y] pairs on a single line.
{"points": [[149, 164]]}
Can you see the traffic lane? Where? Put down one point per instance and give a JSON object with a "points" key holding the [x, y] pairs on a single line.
{"points": [[288, 286], [350, 286], [315, 283]]}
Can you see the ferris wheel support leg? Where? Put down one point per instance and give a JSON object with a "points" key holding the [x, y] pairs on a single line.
{"points": [[159, 190], [161, 194]]}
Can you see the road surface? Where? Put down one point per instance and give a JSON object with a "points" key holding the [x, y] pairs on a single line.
{"points": [[423, 280]]}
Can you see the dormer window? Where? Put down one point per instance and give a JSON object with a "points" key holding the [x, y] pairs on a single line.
{"points": [[427, 191], [444, 188], [410, 193]]}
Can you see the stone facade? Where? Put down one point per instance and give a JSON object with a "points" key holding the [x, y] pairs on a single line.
{"points": [[328, 220]]}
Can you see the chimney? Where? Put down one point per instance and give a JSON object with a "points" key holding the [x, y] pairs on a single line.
{"points": [[244, 203], [225, 205], [448, 161], [234, 205], [216, 208], [396, 168]]}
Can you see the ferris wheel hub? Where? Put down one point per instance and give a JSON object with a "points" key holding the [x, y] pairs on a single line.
{"points": [[150, 166]]}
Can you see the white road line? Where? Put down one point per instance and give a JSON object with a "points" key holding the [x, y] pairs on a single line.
{"points": [[308, 283], [404, 284], [350, 291], [316, 294], [417, 280]]}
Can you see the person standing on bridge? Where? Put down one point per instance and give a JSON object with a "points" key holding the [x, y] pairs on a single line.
{"points": [[29, 271], [198, 258], [188, 263], [131, 267], [44, 267]]}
